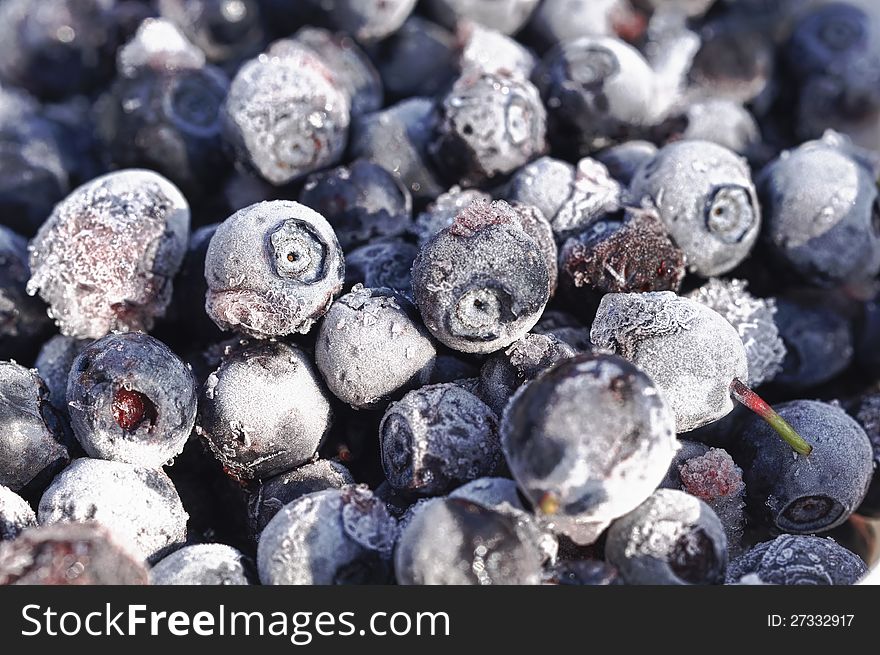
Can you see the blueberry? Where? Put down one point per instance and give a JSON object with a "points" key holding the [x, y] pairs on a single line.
{"points": [[371, 347], [33, 436], [807, 494], [310, 131], [566, 328], [798, 560], [139, 506], [506, 16], [382, 263], [483, 282], [555, 21], [624, 159], [104, 260], [722, 121], [15, 514], [705, 196], [420, 59], [582, 480], [69, 554], [337, 536], [131, 400], [23, 320], [272, 269], [366, 20], [273, 494], [441, 213], [362, 202], [53, 364], [671, 538], [488, 51], [489, 125], [204, 564], [436, 438], [867, 413], [828, 39]]}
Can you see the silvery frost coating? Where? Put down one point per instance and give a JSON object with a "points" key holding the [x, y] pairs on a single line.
{"points": [[671, 538], [705, 196], [798, 560], [280, 431], [451, 541], [754, 320], [807, 494], [441, 213], [125, 368], [490, 51], [15, 514], [820, 206], [483, 282], [689, 350], [591, 476], [436, 438], [561, 20], [272, 269], [104, 260], [23, 319], [506, 16], [722, 121], [371, 346], [337, 536], [32, 432], [203, 564], [286, 114], [139, 506], [53, 364]]}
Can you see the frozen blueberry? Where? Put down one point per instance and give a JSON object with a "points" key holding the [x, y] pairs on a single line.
{"points": [[689, 8], [420, 59], [506, 16], [69, 554], [624, 159], [53, 364], [566, 328], [482, 283], [489, 125], [798, 560], [554, 21], [23, 320], [671, 538], [131, 400], [382, 263], [337, 536], [867, 413], [273, 494], [806, 494], [282, 429], [372, 346], [690, 351], [361, 202], [138, 505], [488, 51], [821, 212], [272, 269], [15, 514], [32, 433], [437, 438], [441, 213], [505, 371], [754, 320], [705, 196], [311, 130], [104, 260], [204, 564], [829, 39], [581, 480], [366, 20], [721, 121]]}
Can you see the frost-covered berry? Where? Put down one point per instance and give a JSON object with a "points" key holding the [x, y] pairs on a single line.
{"points": [[866, 411], [337, 536], [131, 399], [581, 480], [506, 16], [454, 541], [204, 564], [382, 263], [23, 320], [554, 21], [53, 364], [705, 196], [69, 554], [489, 125], [798, 560], [264, 411], [286, 113], [104, 260], [15, 514], [138, 505], [624, 159], [366, 20], [483, 282], [489, 51], [671, 538], [372, 346], [272, 269], [722, 121], [566, 328], [441, 213], [437, 438]]}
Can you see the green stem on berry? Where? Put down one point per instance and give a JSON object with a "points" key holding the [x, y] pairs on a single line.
{"points": [[783, 428]]}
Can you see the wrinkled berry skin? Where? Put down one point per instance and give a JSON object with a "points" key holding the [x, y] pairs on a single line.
{"points": [[204, 564], [506, 16], [483, 282], [382, 263], [281, 431], [131, 400], [33, 439], [804, 495], [272, 269], [104, 260], [704, 194], [799, 560], [437, 438], [671, 538], [596, 476], [15, 514], [23, 320]]}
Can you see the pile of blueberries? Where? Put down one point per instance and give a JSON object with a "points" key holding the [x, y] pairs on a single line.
{"points": [[439, 292]]}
